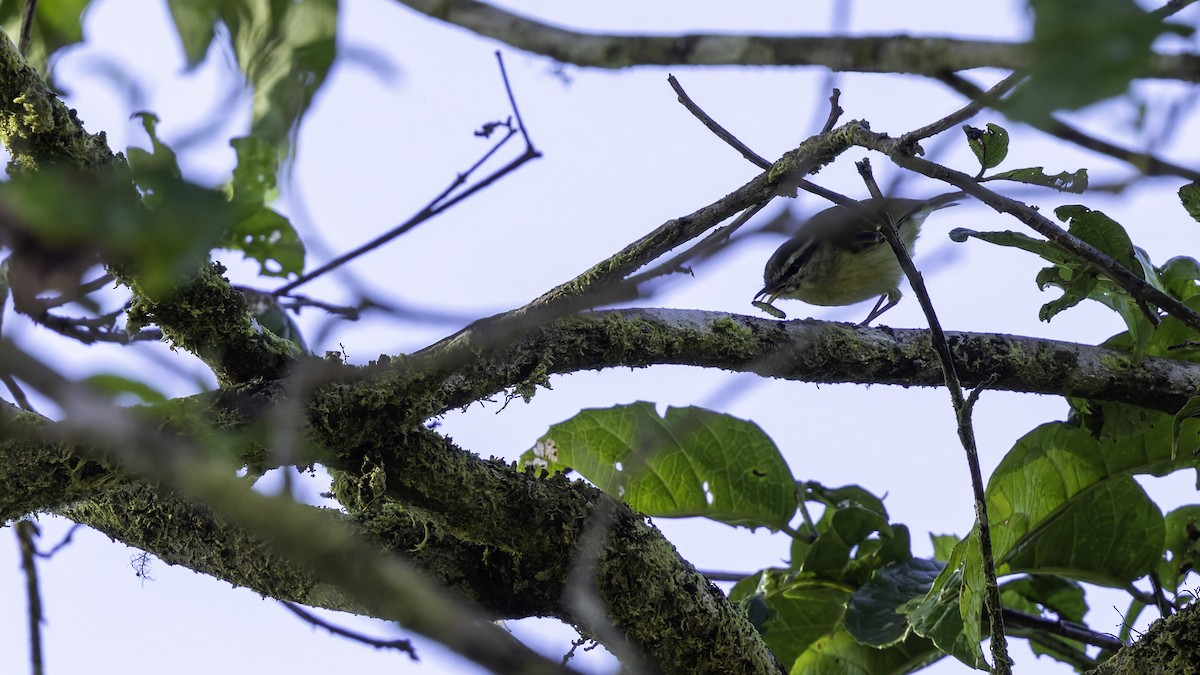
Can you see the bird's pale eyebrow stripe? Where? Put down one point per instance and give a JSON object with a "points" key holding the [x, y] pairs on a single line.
{"points": [[798, 260]]}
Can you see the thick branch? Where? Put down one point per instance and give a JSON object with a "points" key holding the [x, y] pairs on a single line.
{"points": [[865, 54], [180, 532], [204, 316], [820, 351]]}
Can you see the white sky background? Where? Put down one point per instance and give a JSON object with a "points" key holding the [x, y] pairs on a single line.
{"points": [[621, 156]]}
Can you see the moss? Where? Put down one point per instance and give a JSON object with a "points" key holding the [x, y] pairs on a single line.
{"points": [[208, 318], [814, 153], [42, 475]]}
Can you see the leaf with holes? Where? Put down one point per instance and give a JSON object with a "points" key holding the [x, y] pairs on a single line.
{"points": [[690, 462]]}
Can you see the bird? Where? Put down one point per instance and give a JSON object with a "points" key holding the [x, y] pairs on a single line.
{"points": [[839, 256]]}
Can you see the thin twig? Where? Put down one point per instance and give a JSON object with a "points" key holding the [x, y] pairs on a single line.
{"points": [[717, 129], [405, 646], [1117, 273], [26, 533], [441, 202], [835, 111], [702, 249], [95, 329], [18, 394], [965, 113], [66, 541], [839, 28], [77, 293], [1170, 8], [1067, 629], [1002, 664], [27, 16], [1145, 163]]}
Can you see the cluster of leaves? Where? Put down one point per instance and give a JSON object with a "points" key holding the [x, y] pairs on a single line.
{"points": [[1064, 507]]}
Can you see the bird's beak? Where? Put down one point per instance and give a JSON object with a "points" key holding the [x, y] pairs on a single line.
{"points": [[769, 293]]}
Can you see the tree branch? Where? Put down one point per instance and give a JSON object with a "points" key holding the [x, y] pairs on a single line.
{"points": [[865, 54]]}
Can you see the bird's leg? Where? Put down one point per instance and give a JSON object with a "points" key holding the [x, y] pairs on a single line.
{"points": [[892, 297]]}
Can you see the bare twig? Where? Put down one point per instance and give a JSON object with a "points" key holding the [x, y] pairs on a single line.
{"points": [[703, 248], [405, 646], [1145, 163], [979, 102], [66, 541], [1170, 8], [101, 328], [17, 392], [717, 129], [1067, 629], [835, 110], [443, 201], [27, 16], [1001, 663], [75, 294], [26, 534], [1122, 277]]}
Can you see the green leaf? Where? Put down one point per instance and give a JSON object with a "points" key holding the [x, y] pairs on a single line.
{"points": [[1046, 250], [1063, 596], [943, 544], [1102, 232], [841, 653], [115, 386], [990, 146], [1062, 502], [842, 529], [196, 23], [1190, 410], [800, 612], [284, 50], [260, 232], [691, 462], [873, 616], [1078, 289], [1179, 277], [1063, 182], [1084, 51], [254, 178], [65, 213], [156, 169], [1189, 196], [1183, 542], [950, 614], [790, 613], [268, 238]]}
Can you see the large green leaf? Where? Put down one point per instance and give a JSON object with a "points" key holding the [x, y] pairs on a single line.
{"points": [[950, 614], [691, 462], [874, 615], [283, 47], [1062, 502], [66, 216], [799, 612], [840, 654], [1183, 542], [1084, 51]]}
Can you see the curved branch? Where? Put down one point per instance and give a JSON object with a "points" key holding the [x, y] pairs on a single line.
{"points": [[820, 351], [865, 54]]}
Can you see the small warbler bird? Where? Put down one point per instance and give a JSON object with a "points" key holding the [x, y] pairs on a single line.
{"points": [[839, 257]]}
